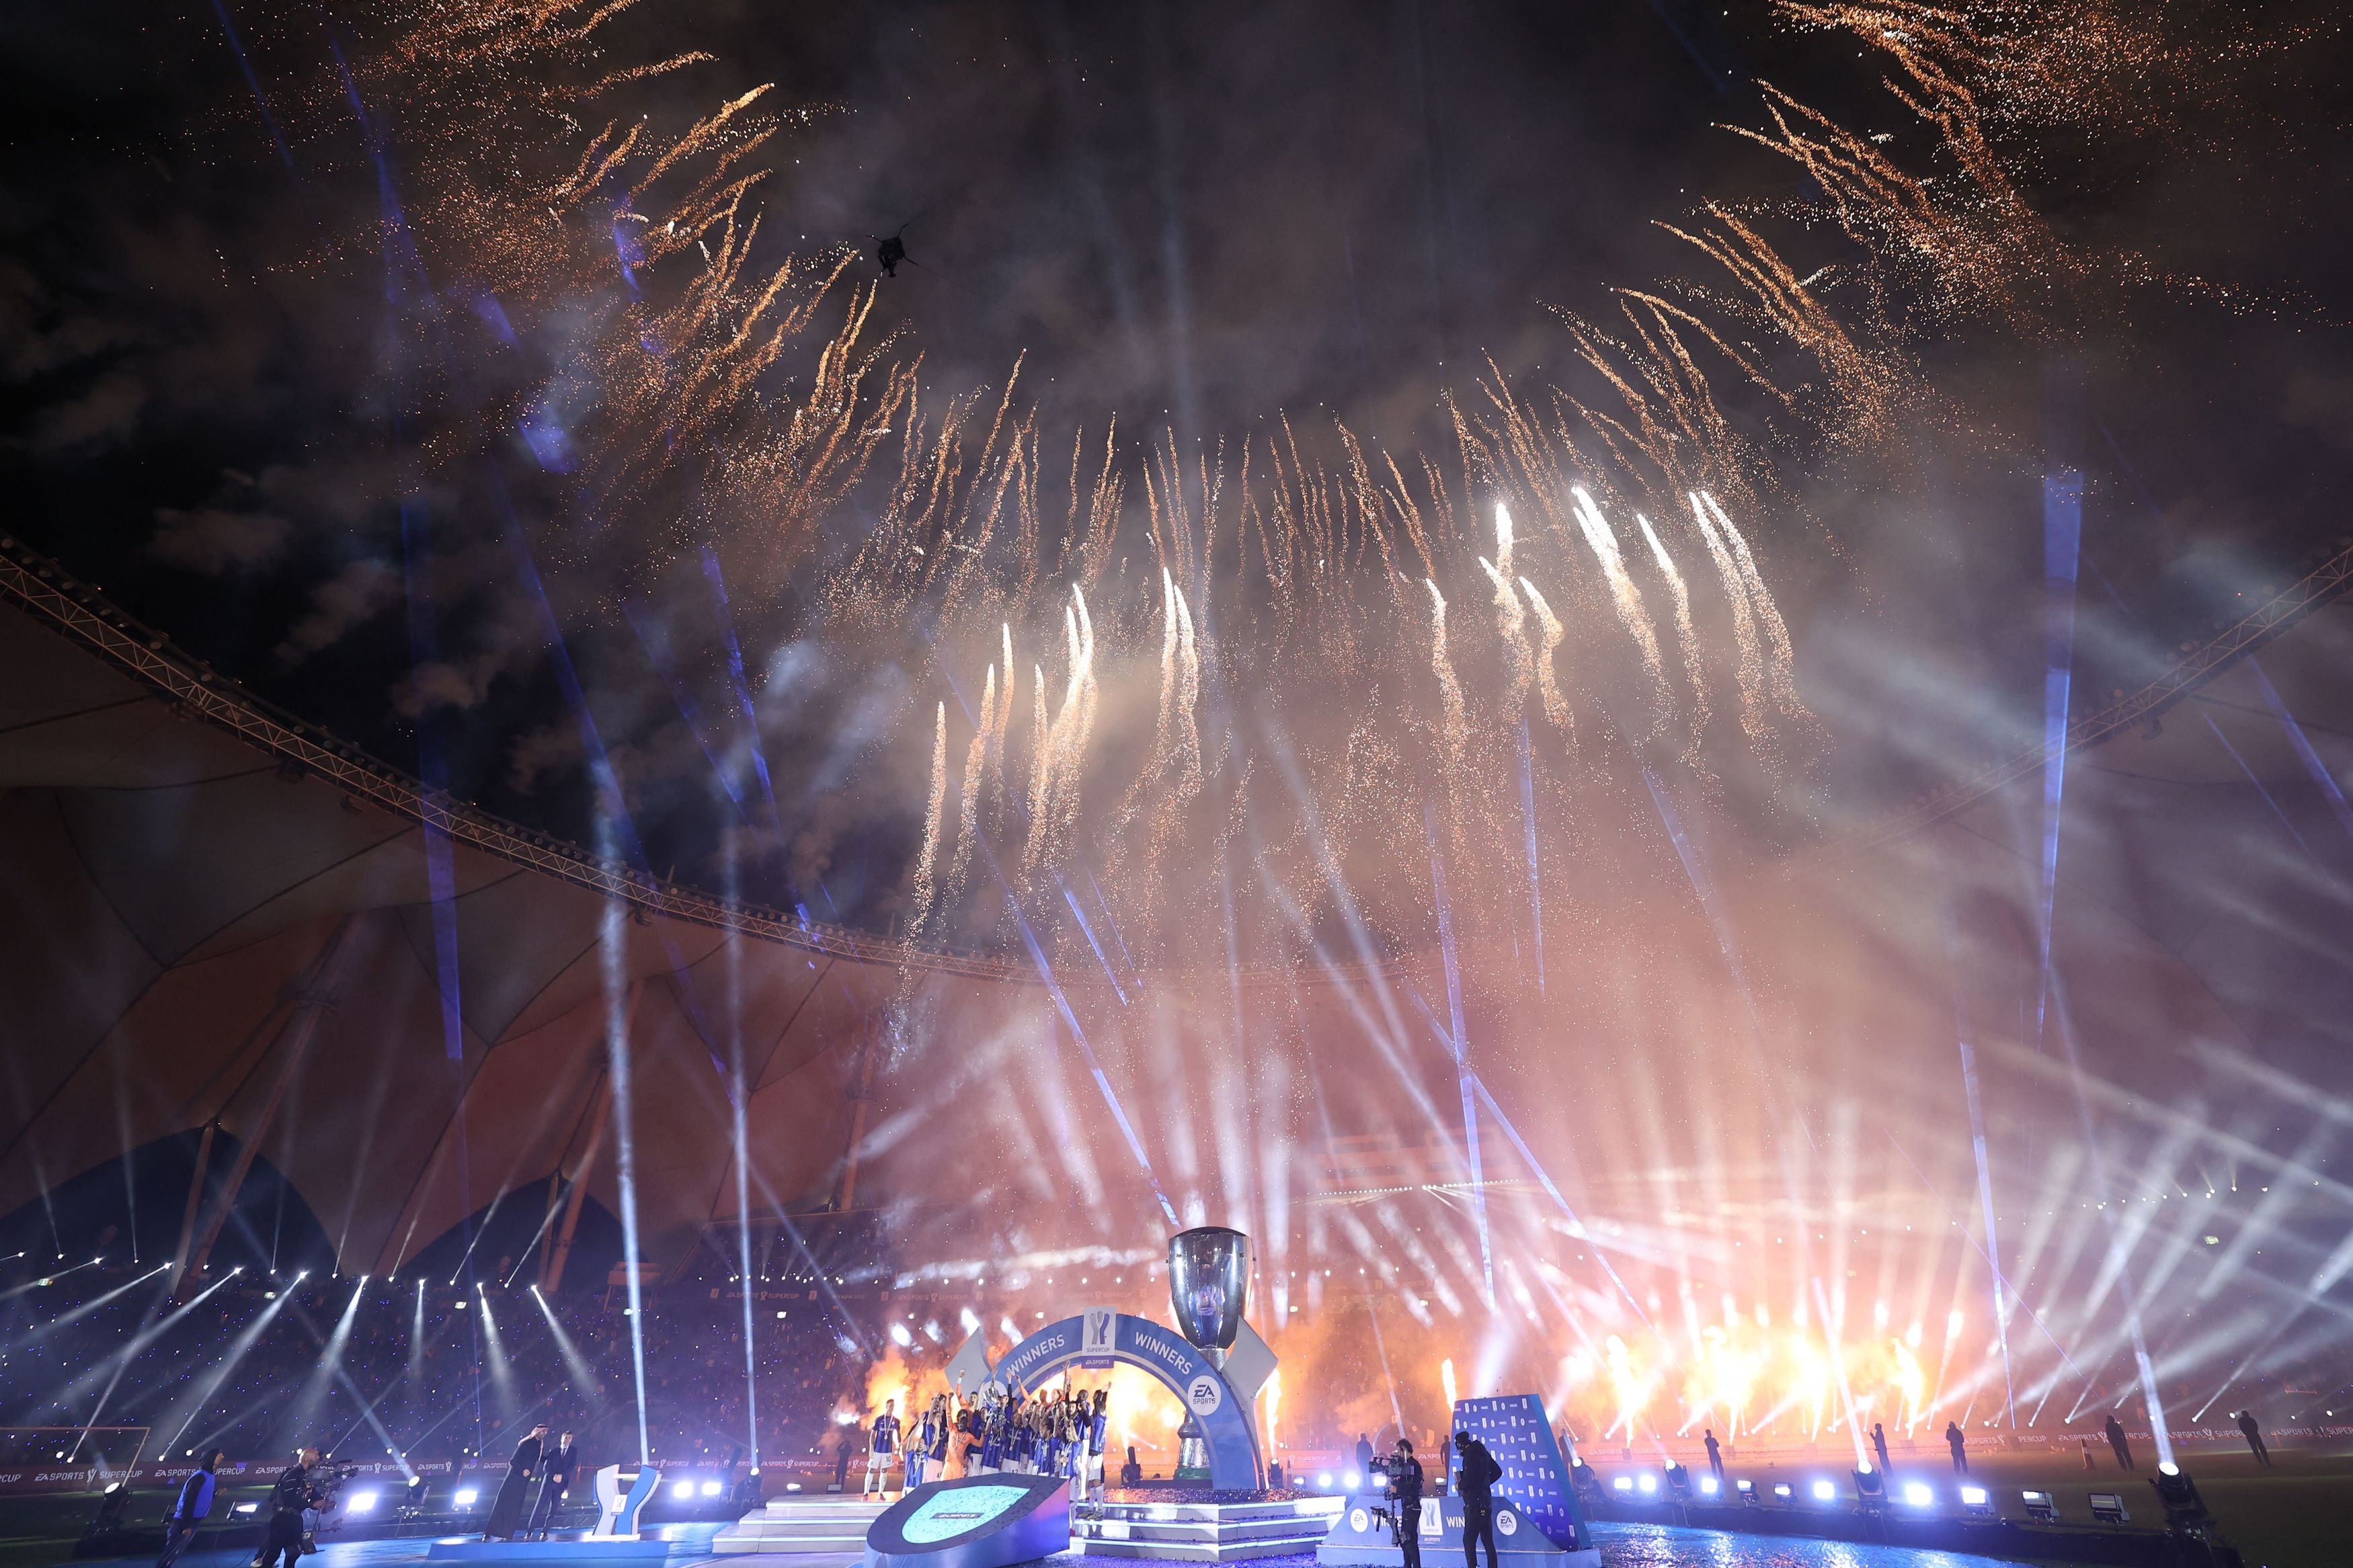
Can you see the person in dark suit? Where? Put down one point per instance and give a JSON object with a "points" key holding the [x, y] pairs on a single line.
{"points": [[2254, 1435], [1958, 1442], [506, 1508], [2116, 1431], [1879, 1445], [557, 1465], [1714, 1453], [1476, 1474]]}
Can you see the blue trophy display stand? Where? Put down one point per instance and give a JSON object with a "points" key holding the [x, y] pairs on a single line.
{"points": [[980, 1521]]}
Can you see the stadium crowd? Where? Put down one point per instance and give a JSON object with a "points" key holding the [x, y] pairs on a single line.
{"points": [[441, 1372]]}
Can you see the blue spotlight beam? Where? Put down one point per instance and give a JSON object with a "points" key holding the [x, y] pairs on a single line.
{"points": [[1461, 1047]]}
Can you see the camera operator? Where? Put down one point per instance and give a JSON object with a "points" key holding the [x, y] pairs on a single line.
{"points": [[289, 1499], [1405, 1487]]}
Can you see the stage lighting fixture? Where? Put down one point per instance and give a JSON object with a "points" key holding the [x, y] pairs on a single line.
{"points": [[1825, 1491], [682, 1488], [1649, 1483], [361, 1502], [1977, 1499], [792, 1486], [1352, 1480], [1781, 1491], [712, 1489], [1870, 1486], [2179, 1494], [1678, 1482], [2108, 1507], [1623, 1484], [1747, 1490], [465, 1497], [2041, 1506], [1709, 1485], [1919, 1494]]}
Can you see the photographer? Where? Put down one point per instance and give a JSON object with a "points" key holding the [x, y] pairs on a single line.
{"points": [[289, 1501], [1405, 1487]]}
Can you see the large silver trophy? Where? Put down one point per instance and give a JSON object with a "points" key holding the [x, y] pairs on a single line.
{"points": [[1208, 1283]]}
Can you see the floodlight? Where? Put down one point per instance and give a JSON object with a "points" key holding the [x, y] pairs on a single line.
{"points": [[1352, 1480], [1623, 1484], [466, 1496], [1709, 1485], [1825, 1491], [1647, 1482], [1781, 1490], [1919, 1494], [2108, 1507], [682, 1488], [712, 1489], [361, 1502], [1977, 1499], [2041, 1506], [1324, 1479], [1747, 1490]]}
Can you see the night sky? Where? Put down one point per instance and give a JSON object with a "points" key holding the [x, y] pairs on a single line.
{"points": [[1197, 218]]}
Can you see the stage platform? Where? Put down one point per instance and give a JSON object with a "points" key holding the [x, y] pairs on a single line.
{"points": [[561, 1550], [801, 1524], [1200, 1529]]}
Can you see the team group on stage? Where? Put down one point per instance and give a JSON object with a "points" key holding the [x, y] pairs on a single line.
{"points": [[1059, 1432]]}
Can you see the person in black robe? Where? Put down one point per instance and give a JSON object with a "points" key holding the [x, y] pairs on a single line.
{"points": [[506, 1508]]}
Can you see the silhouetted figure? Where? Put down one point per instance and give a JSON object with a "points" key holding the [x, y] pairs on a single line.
{"points": [[2115, 1431], [1405, 1488], [505, 1521], [556, 1472], [2087, 1453], [1879, 1445], [195, 1503], [2256, 1438], [1475, 1478], [1960, 1445], [288, 1500], [1364, 1452], [890, 253], [1714, 1454], [1131, 1473]]}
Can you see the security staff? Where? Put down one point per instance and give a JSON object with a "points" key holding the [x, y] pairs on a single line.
{"points": [[1475, 1479]]}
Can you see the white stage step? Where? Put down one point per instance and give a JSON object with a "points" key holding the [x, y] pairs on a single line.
{"points": [[1202, 1532], [800, 1524]]}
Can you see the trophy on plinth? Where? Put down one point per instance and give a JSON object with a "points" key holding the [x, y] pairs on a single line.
{"points": [[1208, 1283]]}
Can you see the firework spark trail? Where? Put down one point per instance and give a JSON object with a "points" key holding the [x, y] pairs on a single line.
{"points": [[975, 759], [1627, 598], [1166, 741], [1188, 701], [1456, 731], [1755, 696], [927, 862], [1684, 634], [1555, 700], [1780, 669]]}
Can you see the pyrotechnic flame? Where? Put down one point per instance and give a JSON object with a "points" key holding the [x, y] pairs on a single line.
{"points": [[1781, 667], [975, 760]]}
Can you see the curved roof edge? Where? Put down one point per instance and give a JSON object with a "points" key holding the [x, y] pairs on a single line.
{"points": [[79, 612]]}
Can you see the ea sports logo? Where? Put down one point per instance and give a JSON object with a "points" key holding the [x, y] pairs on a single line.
{"points": [[1203, 1394], [1506, 1522]]}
